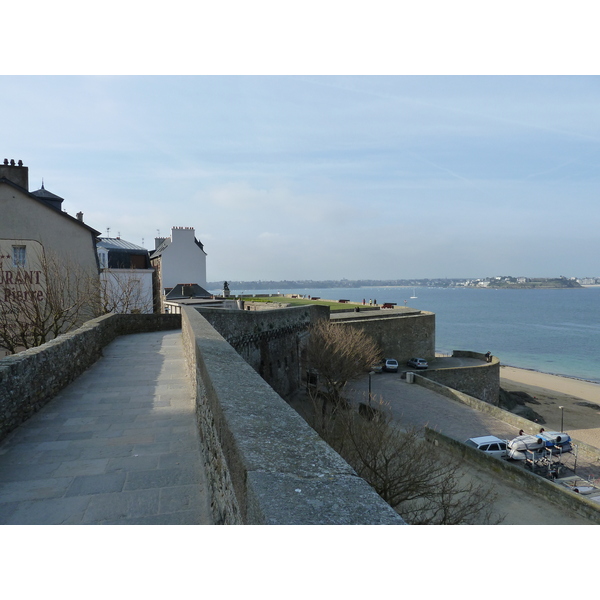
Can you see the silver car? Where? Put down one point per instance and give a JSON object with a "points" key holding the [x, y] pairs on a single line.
{"points": [[489, 444], [390, 365], [417, 363]]}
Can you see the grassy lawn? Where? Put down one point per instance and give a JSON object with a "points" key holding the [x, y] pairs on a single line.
{"points": [[300, 301]]}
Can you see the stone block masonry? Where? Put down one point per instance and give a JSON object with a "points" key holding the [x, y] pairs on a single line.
{"points": [[273, 341], [399, 335], [265, 465], [29, 379], [481, 381]]}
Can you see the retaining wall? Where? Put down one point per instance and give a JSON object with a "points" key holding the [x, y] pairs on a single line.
{"points": [[534, 484], [481, 381], [399, 336], [273, 342], [529, 427], [264, 463], [29, 379]]}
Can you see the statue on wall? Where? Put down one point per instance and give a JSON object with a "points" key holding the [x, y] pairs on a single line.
{"points": [[225, 290]]}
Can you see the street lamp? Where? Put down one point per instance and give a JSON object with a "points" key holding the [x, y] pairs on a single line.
{"points": [[370, 373], [562, 418]]}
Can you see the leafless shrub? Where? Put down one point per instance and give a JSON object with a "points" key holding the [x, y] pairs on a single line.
{"points": [[421, 482], [43, 301], [340, 353], [123, 292]]}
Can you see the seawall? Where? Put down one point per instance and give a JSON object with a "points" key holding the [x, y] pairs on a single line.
{"points": [[481, 381]]}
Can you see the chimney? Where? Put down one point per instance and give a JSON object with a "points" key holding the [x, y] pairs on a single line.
{"points": [[158, 241], [80, 216], [16, 173]]}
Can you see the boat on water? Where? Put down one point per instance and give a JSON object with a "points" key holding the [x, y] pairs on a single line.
{"points": [[536, 446], [414, 294]]}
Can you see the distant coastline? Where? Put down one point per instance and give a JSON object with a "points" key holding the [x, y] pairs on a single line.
{"points": [[505, 283]]}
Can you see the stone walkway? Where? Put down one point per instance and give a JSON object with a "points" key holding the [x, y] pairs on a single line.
{"points": [[117, 446]]}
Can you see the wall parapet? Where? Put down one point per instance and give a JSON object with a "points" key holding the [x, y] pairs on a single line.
{"points": [[481, 381], [30, 379], [265, 464]]}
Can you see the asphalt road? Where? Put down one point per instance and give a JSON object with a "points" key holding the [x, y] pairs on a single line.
{"points": [[413, 405]]}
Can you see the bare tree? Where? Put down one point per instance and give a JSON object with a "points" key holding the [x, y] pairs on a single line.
{"points": [[422, 483], [50, 298], [340, 353], [123, 292]]}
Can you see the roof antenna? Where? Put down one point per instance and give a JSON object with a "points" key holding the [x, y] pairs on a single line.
{"points": [[108, 232]]}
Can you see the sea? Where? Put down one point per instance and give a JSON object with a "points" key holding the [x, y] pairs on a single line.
{"points": [[554, 331]]}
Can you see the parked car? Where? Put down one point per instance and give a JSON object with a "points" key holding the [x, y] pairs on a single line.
{"points": [[417, 363], [489, 444], [390, 365], [377, 367]]}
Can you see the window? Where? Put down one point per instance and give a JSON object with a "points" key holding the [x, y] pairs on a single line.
{"points": [[18, 256]]}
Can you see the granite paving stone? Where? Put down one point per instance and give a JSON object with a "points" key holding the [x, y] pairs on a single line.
{"points": [[119, 445]]}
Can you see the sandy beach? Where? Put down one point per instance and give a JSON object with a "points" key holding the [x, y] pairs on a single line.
{"points": [[580, 399]]}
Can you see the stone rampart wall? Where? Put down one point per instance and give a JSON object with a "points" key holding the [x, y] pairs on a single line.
{"points": [[272, 342], [265, 464], [29, 379], [481, 381], [401, 337]]}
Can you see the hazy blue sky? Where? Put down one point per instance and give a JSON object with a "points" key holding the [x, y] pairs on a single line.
{"points": [[314, 177]]}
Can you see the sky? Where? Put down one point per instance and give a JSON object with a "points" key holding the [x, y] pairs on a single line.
{"points": [[309, 176]]}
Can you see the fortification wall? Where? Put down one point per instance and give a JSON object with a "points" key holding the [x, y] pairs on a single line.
{"points": [[29, 379], [401, 337], [481, 381], [265, 464], [272, 342]]}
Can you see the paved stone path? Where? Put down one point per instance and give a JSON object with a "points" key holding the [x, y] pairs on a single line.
{"points": [[117, 446]]}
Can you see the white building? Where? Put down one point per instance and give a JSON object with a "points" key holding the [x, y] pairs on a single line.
{"points": [[179, 260], [125, 277]]}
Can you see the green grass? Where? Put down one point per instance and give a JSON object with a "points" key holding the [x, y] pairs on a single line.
{"points": [[303, 301]]}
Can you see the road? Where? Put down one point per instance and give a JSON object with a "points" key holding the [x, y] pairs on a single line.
{"points": [[416, 406]]}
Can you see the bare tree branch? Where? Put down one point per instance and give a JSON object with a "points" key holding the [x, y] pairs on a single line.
{"points": [[52, 297], [340, 353]]}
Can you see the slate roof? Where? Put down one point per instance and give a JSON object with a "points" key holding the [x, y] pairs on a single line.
{"points": [[119, 244], [187, 290], [46, 195], [121, 254]]}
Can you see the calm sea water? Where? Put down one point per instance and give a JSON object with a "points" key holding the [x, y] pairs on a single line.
{"points": [[553, 331]]}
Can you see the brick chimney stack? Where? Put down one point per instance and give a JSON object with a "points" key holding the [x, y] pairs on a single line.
{"points": [[16, 173]]}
